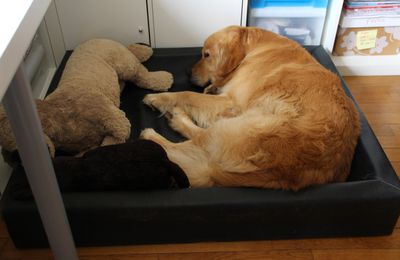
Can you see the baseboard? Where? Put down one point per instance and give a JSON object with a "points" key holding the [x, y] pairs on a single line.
{"points": [[367, 65]]}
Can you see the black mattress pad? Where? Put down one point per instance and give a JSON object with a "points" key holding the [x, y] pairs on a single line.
{"points": [[368, 203]]}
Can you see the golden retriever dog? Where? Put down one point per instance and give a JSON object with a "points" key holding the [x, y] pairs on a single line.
{"points": [[278, 120]]}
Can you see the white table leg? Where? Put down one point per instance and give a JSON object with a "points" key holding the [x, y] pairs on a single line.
{"points": [[27, 129]]}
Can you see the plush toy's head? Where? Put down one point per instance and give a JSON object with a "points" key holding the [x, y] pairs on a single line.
{"points": [[7, 139]]}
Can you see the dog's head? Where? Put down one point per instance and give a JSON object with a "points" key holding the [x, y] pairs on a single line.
{"points": [[222, 53]]}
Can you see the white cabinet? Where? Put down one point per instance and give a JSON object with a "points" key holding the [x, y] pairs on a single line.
{"points": [[161, 23], [121, 20], [39, 63], [187, 23]]}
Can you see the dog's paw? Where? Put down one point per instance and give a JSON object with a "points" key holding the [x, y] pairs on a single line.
{"points": [[148, 134], [176, 118], [150, 99], [211, 90], [161, 101]]}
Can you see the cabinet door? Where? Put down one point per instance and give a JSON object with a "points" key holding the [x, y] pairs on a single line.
{"points": [[187, 23], [121, 20]]}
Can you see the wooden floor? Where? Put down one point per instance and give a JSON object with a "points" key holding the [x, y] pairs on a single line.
{"points": [[379, 98]]}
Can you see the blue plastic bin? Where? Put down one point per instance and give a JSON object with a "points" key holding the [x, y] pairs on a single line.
{"points": [[288, 3]]}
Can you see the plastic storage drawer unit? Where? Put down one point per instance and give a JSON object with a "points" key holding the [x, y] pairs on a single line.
{"points": [[300, 20]]}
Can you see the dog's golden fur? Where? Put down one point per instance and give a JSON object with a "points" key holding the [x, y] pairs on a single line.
{"points": [[279, 120]]}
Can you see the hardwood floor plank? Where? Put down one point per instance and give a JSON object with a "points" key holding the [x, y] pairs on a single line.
{"points": [[383, 118], [396, 166], [10, 252], [3, 230], [382, 242], [396, 129], [389, 141], [380, 107], [364, 254], [3, 242], [377, 97], [261, 255], [28, 258], [393, 154], [382, 129], [120, 257], [375, 82]]}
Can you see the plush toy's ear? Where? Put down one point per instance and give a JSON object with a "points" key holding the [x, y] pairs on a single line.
{"points": [[141, 51]]}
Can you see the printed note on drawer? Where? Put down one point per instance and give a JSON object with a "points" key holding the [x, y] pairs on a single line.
{"points": [[366, 39]]}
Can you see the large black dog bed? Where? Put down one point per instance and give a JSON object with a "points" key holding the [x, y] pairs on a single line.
{"points": [[367, 204]]}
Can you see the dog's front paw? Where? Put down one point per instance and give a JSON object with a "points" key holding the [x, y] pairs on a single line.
{"points": [[150, 99], [161, 101], [176, 119]]}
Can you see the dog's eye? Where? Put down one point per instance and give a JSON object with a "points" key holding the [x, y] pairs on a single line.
{"points": [[206, 54]]}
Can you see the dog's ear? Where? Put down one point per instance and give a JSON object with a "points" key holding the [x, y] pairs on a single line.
{"points": [[233, 51]]}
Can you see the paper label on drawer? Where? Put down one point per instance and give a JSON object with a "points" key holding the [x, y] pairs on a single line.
{"points": [[366, 39]]}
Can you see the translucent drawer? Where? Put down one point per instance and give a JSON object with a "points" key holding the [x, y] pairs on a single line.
{"points": [[302, 21]]}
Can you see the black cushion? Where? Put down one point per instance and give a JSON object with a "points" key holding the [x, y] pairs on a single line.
{"points": [[367, 204], [134, 165]]}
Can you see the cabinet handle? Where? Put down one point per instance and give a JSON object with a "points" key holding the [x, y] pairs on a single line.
{"points": [[140, 29]]}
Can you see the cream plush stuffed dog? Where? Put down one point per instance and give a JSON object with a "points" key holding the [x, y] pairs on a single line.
{"points": [[83, 112]]}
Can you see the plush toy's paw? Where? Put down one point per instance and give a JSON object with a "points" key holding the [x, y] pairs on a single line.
{"points": [[159, 80], [142, 52], [164, 102], [110, 140]]}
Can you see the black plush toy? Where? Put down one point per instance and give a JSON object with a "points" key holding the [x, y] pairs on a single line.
{"points": [[136, 165]]}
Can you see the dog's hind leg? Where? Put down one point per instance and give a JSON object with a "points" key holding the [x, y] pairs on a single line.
{"points": [[193, 160]]}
